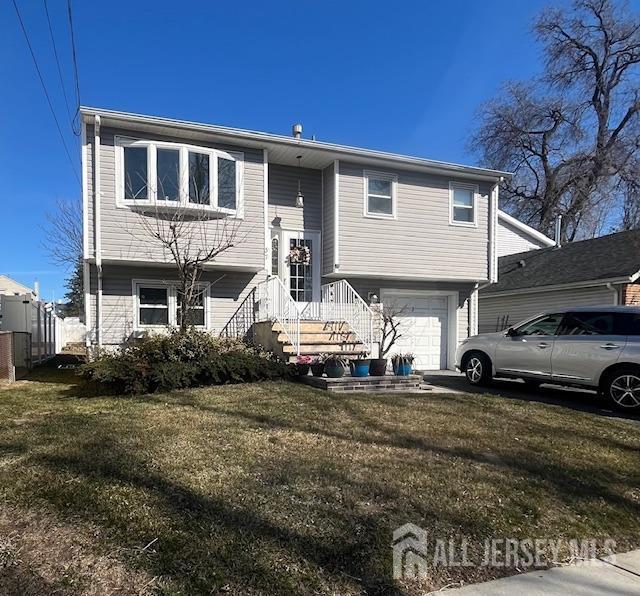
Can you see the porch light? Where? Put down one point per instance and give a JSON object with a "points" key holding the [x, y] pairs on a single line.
{"points": [[299, 196]]}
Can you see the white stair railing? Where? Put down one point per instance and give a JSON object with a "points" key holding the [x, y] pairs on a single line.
{"points": [[276, 304], [340, 302]]}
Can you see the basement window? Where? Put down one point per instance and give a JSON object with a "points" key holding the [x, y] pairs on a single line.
{"points": [[153, 305]]}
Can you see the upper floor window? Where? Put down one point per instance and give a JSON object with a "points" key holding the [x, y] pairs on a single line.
{"points": [[380, 194], [170, 174], [462, 199]]}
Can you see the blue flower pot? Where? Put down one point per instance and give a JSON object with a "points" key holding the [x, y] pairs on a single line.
{"points": [[333, 369], [402, 369], [359, 368]]}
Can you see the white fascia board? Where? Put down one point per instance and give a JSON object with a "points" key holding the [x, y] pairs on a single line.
{"points": [[536, 289], [171, 265], [345, 151], [400, 276], [523, 227]]}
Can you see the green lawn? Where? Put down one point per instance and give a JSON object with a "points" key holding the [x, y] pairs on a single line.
{"points": [[279, 488]]}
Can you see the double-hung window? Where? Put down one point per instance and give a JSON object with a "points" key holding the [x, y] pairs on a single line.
{"points": [[462, 203], [380, 195], [174, 175], [153, 305], [157, 304], [196, 314]]}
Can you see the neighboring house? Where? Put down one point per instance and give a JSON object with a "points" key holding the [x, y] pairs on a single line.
{"points": [[10, 287], [417, 233], [515, 236], [597, 272]]}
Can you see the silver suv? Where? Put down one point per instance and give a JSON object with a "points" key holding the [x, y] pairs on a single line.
{"points": [[589, 347]]}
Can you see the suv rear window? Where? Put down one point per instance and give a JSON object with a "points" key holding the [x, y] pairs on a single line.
{"points": [[600, 323]]}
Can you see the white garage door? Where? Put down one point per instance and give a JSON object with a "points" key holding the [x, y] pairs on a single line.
{"points": [[424, 329]]}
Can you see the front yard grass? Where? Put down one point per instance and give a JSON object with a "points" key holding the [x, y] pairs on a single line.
{"points": [[279, 488]]}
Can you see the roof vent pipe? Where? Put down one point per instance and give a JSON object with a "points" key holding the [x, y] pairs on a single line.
{"points": [[296, 131], [558, 230]]}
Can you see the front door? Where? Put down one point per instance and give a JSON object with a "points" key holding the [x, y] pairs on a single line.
{"points": [[301, 266], [529, 350]]}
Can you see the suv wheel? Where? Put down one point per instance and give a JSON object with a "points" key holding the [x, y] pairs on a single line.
{"points": [[477, 369], [622, 388]]}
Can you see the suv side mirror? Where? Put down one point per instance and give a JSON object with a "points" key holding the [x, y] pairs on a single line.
{"points": [[511, 332]]}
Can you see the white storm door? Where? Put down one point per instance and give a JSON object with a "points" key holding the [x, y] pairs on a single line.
{"points": [[302, 280]]}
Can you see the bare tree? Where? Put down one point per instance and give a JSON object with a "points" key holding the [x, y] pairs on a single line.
{"points": [[572, 137], [62, 233], [390, 328], [189, 232], [62, 240]]}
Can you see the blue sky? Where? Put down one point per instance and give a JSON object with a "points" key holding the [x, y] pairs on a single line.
{"points": [[399, 76]]}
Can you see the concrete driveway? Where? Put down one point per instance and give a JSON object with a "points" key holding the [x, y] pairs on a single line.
{"points": [[575, 399]]}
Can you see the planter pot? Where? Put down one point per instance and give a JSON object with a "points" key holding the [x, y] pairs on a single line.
{"points": [[303, 369], [334, 370], [317, 369], [402, 369], [378, 367], [359, 368]]}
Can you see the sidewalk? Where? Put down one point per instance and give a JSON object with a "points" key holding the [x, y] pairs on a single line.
{"points": [[619, 575]]}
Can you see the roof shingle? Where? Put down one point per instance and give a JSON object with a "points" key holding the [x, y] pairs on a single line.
{"points": [[607, 257]]}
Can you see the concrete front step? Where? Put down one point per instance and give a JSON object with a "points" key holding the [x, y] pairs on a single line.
{"points": [[323, 337], [386, 384], [318, 327], [346, 355], [333, 347]]}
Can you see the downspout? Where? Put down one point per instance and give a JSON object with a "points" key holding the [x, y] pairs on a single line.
{"points": [[616, 298], [492, 257], [98, 232]]}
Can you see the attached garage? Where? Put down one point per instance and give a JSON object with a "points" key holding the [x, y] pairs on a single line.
{"points": [[428, 323]]}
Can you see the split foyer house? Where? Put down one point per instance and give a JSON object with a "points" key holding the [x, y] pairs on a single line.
{"points": [[326, 232]]}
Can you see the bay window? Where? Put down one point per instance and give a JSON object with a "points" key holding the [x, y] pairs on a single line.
{"points": [[135, 173], [172, 175], [167, 174]]}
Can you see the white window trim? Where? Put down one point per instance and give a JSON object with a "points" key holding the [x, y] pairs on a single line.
{"points": [[393, 178], [474, 204], [172, 303], [152, 192]]}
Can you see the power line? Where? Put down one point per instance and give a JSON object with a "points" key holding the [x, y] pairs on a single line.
{"points": [[75, 59], [64, 89], [44, 88]]}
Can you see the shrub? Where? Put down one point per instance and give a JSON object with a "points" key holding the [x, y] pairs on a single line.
{"points": [[182, 359]]}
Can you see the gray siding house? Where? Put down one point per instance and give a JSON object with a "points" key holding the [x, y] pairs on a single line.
{"points": [[598, 272], [377, 227]]}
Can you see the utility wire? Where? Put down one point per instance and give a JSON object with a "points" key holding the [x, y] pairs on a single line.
{"points": [[76, 131], [44, 88], [75, 59]]}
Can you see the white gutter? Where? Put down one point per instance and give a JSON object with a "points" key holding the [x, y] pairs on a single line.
{"points": [[615, 293], [567, 286], [265, 193], [336, 216], [97, 220]]}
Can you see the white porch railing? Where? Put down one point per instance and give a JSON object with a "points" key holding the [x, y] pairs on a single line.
{"points": [[272, 301], [276, 304], [340, 302]]}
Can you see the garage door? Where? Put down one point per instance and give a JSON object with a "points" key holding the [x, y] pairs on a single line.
{"points": [[423, 324]]}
